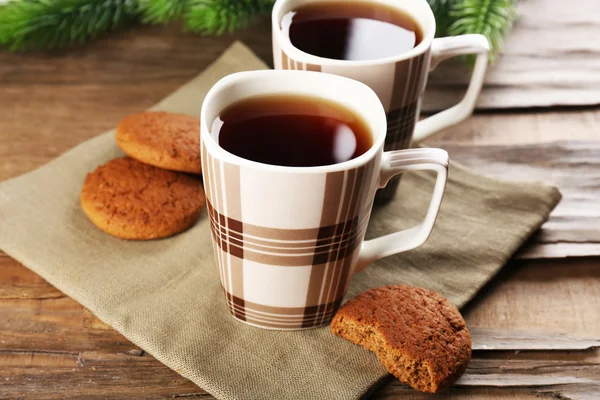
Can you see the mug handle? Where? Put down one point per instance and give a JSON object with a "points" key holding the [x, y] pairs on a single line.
{"points": [[441, 49], [394, 163]]}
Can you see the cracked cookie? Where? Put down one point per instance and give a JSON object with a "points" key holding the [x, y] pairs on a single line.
{"points": [[165, 140], [418, 335], [131, 200]]}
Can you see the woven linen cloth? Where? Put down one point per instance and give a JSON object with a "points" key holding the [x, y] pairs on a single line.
{"points": [[165, 296]]}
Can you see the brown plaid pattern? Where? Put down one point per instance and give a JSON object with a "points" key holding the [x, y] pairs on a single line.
{"points": [[410, 78], [333, 243], [280, 317], [408, 83], [400, 126], [319, 258], [288, 63], [325, 252]]}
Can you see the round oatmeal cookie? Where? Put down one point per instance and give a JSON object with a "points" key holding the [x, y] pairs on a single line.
{"points": [[163, 139], [131, 200], [418, 335]]}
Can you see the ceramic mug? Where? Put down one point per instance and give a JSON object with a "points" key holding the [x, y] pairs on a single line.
{"points": [[399, 81], [287, 240]]}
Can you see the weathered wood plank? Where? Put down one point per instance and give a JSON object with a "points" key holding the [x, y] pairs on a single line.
{"points": [[506, 375], [52, 101], [560, 296], [566, 392], [107, 376], [24, 284], [574, 167], [524, 380], [558, 250], [523, 127], [53, 348], [395, 390], [90, 375], [505, 339], [530, 372], [549, 59]]}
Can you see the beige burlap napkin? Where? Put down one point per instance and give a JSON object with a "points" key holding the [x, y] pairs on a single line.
{"points": [[165, 297]]}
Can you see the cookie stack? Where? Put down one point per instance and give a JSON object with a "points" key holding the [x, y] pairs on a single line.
{"points": [[156, 191]]}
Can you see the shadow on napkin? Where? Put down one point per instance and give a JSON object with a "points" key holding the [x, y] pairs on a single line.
{"points": [[165, 296]]}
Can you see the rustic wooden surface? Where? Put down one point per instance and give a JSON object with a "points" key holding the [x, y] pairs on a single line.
{"points": [[574, 166], [550, 59], [51, 348], [510, 339]]}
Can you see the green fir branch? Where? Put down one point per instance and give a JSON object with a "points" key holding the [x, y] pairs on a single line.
{"points": [[491, 18], [441, 10], [37, 24], [219, 16], [162, 11]]}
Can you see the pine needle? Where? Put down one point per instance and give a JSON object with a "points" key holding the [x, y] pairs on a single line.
{"points": [[162, 11], [219, 16], [36, 24], [443, 20], [491, 18]]}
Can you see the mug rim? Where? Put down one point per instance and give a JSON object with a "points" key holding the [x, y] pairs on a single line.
{"points": [[287, 46], [232, 79]]}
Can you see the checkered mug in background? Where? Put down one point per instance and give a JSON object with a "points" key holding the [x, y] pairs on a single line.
{"points": [[287, 240], [399, 81]]}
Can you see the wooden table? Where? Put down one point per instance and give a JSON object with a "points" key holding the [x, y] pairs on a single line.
{"points": [[51, 347]]}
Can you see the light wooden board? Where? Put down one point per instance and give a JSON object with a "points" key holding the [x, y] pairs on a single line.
{"points": [[522, 127], [510, 339], [552, 57], [574, 167], [52, 348]]}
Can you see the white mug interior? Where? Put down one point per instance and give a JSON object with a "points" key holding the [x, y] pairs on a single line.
{"points": [[356, 96], [419, 10]]}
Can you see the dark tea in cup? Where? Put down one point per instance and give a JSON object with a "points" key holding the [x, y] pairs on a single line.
{"points": [[390, 46], [291, 130], [355, 31]]}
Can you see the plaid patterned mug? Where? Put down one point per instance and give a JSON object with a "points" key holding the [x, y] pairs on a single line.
{"points": [[287, 240], [399, 81]]}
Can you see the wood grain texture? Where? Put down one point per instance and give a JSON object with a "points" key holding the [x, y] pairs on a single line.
{"points": [[87, 90], [550, 58], [532, 126], [572, 166], [51, 347], [485, 339]]}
